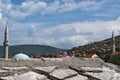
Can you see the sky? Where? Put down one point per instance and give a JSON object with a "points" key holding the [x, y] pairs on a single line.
{"points": [[59, 23]]}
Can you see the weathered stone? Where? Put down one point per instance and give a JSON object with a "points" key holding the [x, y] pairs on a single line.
{"points": [[27, 76], [62, 62], [44, 70], [78, 77], [105, 75], [91, 69], [63, 73], [116, 76], [1, 71], [14, 68], [112, 66], [87, 69], [70, 68], [4, 73], [7, 78]]}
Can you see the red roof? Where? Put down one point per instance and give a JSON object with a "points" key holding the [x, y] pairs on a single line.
{"points": [[115, 53], [89, 55]]}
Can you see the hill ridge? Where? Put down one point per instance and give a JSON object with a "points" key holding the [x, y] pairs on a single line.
{"points": [[31, 49]]}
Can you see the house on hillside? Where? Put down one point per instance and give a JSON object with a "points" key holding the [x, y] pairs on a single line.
{"points": [[91, 56], [115, 53]]}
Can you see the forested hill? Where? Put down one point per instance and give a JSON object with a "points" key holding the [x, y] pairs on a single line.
{"points": [[30, 50], [102, 48], [99, 44]]}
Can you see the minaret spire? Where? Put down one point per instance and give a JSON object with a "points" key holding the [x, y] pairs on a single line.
{"points": [[6, 41], [113, 41]]}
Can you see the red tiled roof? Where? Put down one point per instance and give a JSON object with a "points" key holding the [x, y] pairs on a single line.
{"points": [[89, 55], [115, 53]]}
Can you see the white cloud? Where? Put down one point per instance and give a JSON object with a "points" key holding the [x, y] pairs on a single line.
{"points": [[32, 6], [18, 14], [53, 7], [29, 8], [0, 16], [84, 5], [118, 19], [73, 40], [67, 6], [90, 5], [9, 6], [64, 35], [67, 35], [21, 11]]}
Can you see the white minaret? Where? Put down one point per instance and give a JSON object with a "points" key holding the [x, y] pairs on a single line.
{"points": [[113, 41], [6, 43]]}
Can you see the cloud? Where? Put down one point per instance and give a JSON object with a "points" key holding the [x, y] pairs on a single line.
{"points": [[29, 8], [73, 40], [21, 11], [32, 6], [53, 7], [69, 5], [63, 35], [0, 16], [73, 33], [118, 19], [91, 5]]}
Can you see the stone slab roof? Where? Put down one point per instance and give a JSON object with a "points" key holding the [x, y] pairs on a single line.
{"points": [[63, 73], [71, 71]]}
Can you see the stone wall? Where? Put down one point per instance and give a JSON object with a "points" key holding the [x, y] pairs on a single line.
{"points": [[61, 62], [112, 66], [56, 69]]}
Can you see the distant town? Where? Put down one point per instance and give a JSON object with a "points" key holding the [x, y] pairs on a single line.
{"points": [[107, 50], [83, 62]]}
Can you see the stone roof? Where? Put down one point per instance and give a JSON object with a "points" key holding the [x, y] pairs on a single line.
{"points": [[57, 72]]}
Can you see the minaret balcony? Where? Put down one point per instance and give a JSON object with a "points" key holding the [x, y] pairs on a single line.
{"points": [[6, 44]]}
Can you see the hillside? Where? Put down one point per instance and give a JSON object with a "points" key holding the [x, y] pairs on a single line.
{"points": [[102, 48], [30, 50], [104, 44]]}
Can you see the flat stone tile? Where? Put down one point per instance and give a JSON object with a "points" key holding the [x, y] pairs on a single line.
{"points": [[7, 78], [63, 73], [105, 75], [78, 77], [87, 69], [14, 68], [28, 76], [45, 69], [116, 76], [91, 69], [2, 71]]}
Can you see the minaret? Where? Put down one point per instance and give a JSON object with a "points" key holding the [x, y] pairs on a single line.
{"points": [[6, 43], [113, 41]]}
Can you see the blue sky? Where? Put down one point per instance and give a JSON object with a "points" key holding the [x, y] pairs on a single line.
{"points": [[59, 23]]}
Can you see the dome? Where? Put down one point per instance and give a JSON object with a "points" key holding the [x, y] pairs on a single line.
{"points": [[21, 56]]}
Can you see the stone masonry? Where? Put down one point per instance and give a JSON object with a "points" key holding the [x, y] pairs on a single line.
{"points": [[56, 69]]}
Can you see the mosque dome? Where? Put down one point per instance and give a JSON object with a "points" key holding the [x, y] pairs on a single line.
{"points": [[21, 56]]}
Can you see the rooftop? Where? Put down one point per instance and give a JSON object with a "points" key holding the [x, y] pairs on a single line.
{"points": [[58, 69]]}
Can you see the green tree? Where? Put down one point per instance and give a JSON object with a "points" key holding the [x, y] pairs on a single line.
{"points": [[115, 59]]}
